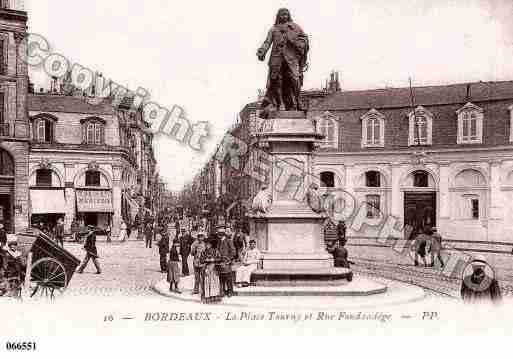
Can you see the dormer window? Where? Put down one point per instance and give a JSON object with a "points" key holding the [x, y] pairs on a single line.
{"points": [[327, 126], [93, 131], [420, 127], [43, 127], [470, 124], [373, 129]]}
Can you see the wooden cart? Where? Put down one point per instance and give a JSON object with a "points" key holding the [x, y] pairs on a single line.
{"points": [[49, 266]]}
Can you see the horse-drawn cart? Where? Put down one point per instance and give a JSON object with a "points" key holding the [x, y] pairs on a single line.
{"points": [[49, 266]]}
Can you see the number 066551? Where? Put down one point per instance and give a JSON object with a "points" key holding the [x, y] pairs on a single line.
{"points": [[20, 346]]}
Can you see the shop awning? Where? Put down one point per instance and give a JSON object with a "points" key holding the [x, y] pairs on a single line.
{"points": [[94, 201], [48, 201], [133, 207]]}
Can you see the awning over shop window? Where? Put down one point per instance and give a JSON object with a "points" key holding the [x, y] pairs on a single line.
{"points": [[94, 201], [133, 207], [47, 201]]}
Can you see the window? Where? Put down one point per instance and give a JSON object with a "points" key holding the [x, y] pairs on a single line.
{"points": [[327, 179], [43, 130], [474, 205], [44, 178], [373, 205], [372, 179], [420, 179], [420, 130], [420, 125], [373, 129], [328, 127], [92, 179], [6, 164], [470, 124], [94, 131]]}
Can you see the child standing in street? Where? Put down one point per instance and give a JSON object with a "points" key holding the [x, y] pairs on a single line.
{"points": [[173, 269]]}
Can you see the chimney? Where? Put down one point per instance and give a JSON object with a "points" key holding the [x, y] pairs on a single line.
{"points": [[467, 99], [54, 87], [334, 84]]}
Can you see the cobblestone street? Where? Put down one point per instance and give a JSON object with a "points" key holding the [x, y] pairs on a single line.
{"points": [[127, 268], [131, 269]]}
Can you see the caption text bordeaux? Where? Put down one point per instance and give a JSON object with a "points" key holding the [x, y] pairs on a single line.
{"points": [[271, 315]]}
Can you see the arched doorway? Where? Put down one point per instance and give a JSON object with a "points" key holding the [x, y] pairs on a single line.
{"points": [[419, 200], [7, 190]]}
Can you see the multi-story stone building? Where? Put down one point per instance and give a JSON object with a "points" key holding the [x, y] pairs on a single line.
{"points": [[14, 126], [445, 160], [92, 161]]}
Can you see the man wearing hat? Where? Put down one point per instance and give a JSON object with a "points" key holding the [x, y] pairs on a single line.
{"points": [[436, 247], [197, 248], [162, 238], [91, 251], [478, 286], [185, 240], [227, 252]]}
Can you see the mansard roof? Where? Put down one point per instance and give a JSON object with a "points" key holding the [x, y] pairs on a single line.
{"points": [[68, 104], [425, 96]]}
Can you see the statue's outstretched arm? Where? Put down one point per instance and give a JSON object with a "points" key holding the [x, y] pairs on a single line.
{"points": [[265, 46]]}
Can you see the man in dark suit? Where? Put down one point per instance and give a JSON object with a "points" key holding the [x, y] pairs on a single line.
{"points": [[91, 251], [148, 234], [59, 232], [227, 252], [163, 243], [185, 241]]}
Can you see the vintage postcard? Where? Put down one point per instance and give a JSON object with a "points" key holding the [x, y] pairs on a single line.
{"points": [[254, 168]]}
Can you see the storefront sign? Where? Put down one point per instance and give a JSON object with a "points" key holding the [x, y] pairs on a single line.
{"points": [[94, 201]]}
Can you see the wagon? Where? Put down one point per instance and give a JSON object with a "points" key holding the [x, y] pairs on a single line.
{"points": [[49, 266]]}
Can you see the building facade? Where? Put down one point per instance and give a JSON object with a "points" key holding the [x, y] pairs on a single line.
{"points": [[14, 125], [446, 160], [92, 161]]}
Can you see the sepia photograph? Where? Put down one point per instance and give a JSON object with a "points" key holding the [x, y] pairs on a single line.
{"points": [[189, 169]]}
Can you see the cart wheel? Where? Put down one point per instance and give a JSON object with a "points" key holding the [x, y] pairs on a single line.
{"points": [[49, 278]]}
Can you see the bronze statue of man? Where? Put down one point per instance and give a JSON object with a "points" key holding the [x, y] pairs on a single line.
{"points": [[287, 63]]}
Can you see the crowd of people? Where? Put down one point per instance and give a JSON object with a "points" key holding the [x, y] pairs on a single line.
{"points": [[221, 260]]}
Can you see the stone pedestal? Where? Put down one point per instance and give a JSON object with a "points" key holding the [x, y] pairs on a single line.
{"points": [[290, 234]]}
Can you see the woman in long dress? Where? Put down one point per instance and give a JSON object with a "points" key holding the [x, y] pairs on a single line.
{"points": [[122, 232], [210, 283]]}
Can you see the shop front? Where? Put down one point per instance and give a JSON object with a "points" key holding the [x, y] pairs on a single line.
{"points": [[47, 206], [95, 207]]}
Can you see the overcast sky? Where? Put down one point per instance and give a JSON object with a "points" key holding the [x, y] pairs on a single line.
{"points": [[201, 55]]}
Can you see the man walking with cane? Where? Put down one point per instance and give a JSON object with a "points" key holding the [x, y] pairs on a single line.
{"points": [[91, 251]]}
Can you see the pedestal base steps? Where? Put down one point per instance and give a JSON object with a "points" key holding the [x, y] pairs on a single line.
{"points": [[286, 277]]}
